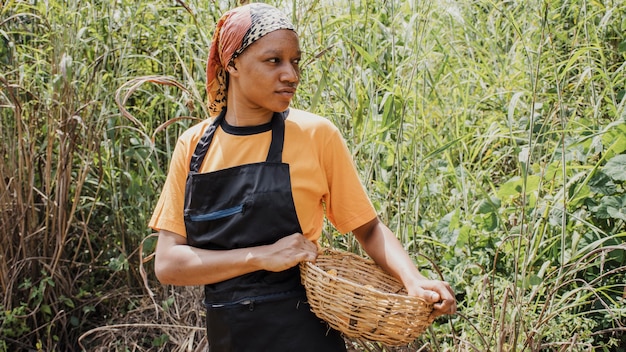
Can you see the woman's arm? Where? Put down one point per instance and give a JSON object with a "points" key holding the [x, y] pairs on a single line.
{"points": [[177, 263], [385, 249]]}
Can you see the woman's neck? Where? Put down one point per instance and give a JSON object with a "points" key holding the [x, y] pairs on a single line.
{"points": [[242, 117]]}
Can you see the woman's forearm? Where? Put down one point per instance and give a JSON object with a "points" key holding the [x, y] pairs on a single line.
{"points": [[177, 263], [387, 251]]}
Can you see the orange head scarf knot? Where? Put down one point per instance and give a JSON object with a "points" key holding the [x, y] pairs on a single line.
{"points": [[235, 31]]}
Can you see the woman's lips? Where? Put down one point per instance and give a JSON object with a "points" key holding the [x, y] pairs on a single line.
{"points": [[287, 92]]}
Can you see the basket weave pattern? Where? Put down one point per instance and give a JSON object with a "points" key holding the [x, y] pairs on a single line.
{"points": [[355, 296]]}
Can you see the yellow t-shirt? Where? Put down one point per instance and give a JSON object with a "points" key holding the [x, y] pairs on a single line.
{"points": [[323, 176]]}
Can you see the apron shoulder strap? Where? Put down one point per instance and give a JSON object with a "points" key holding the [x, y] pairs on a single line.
{"points": [[275, 154], [203, 145]]}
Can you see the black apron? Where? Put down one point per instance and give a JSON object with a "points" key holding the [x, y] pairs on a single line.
{"points": [[244, 206]]}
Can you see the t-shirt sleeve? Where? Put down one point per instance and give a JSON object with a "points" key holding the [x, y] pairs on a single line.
{"points": [[347, 203], [169, 211]]}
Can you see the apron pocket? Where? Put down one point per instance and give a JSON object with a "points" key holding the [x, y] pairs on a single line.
{"points": [[218, 214]]}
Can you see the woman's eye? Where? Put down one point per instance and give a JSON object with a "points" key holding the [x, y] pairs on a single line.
{"points": [[273, 60]]}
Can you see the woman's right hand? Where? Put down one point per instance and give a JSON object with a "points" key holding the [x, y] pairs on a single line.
{"points": [[287, 252]]}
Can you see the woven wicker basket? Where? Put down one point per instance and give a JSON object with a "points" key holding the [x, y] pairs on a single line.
{"points": [[355, 296]]}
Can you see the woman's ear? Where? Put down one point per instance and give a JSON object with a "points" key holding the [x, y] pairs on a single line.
{"points": [[231, 68]]}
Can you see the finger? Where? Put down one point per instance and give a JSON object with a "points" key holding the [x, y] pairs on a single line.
{"points": [[445, 307], [432, 296], [439, 312], [427, 295], [310, 246], [445, 290], [308, 252], [310, 255], [447, 299]]}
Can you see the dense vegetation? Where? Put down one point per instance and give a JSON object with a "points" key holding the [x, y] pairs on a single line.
{"points": [[491, 136]]}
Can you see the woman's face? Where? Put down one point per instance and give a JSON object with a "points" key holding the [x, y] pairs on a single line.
{"points": [[265, 76]]}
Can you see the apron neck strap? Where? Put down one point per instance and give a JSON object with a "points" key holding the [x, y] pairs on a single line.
{"points": [[275, 154]]}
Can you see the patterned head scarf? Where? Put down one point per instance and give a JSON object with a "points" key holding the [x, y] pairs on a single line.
{"points": [[236, 30]]}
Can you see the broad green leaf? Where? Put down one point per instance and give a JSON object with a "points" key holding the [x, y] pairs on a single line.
{"points": [[463, 237], [515, 186], [617, 212], [488, 206], [616, 168], [602, 184], [45, 308], [582, 193], [610, 207], [615, 138], [488, 222], [67, 301], [447, 228]]}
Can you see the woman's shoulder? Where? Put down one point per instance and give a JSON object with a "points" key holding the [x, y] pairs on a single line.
{"points": [[308, 121], [195, 132]]}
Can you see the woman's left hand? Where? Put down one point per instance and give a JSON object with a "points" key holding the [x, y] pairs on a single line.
{"points": [[386, 250], [439, 293]]}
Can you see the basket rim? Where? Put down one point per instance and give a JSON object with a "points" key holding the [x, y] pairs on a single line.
{"points": [[312, 266]]}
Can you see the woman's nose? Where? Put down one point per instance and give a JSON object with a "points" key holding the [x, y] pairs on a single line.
{"points": [[290, 74]]}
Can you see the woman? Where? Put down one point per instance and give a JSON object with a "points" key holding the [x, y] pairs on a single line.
{"points": [[247, 192]]}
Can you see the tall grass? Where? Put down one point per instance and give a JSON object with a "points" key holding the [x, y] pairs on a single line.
{"points": [[489, 134], [50, 126], [78, 180]]}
